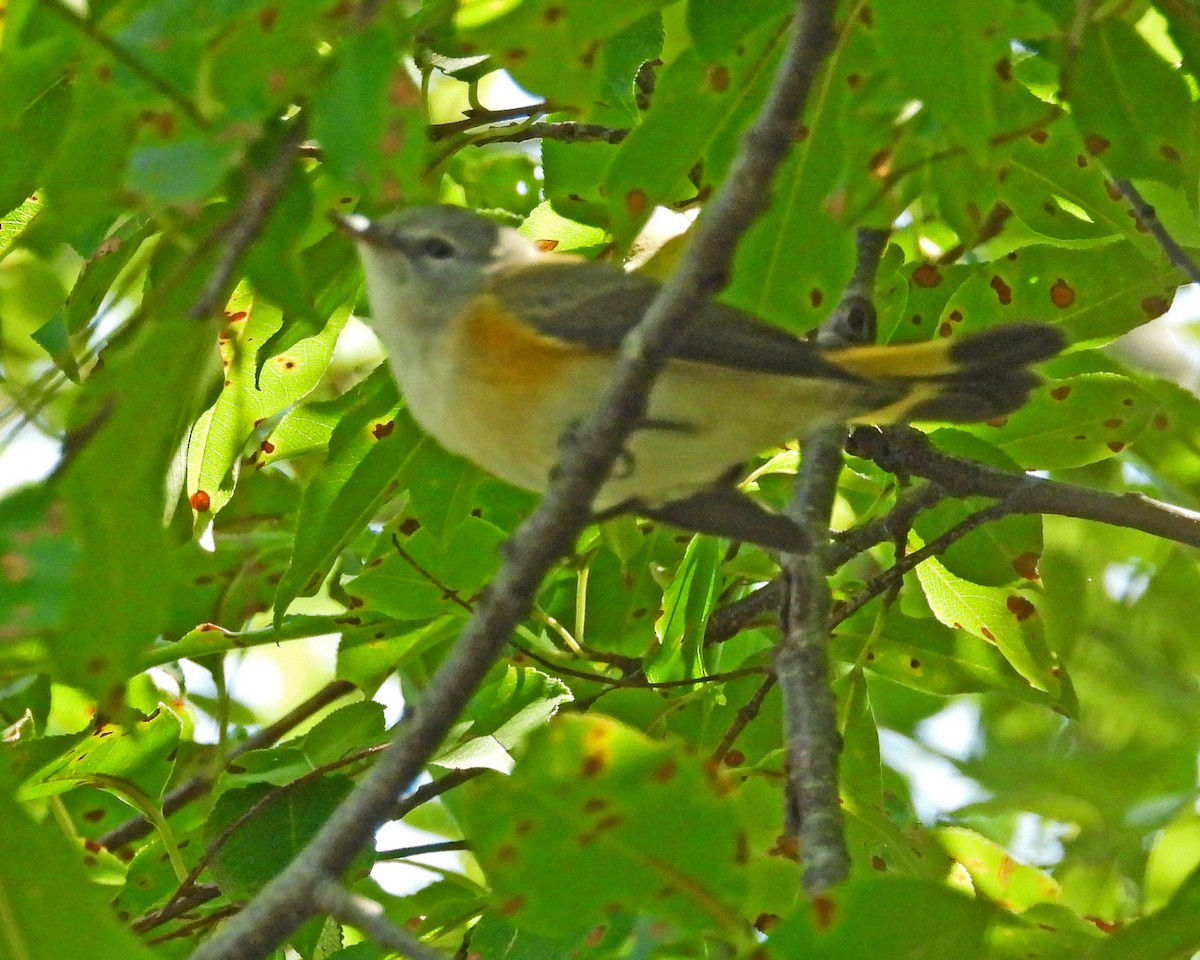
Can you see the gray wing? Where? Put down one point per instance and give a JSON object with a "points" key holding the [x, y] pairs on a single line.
{"points": [[596, 305]]}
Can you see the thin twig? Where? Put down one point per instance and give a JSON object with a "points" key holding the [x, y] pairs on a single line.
{"points": [[475, 118], [744, 718], [550, 532], [89, 29], [1147, 215], [564, 131], [369, 917], [265, 188], [137, 827]]}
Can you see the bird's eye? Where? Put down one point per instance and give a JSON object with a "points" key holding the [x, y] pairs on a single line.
{"points": [[435, 248]]}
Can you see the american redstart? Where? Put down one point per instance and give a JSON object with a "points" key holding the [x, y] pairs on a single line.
{"points": [[499, 348]]}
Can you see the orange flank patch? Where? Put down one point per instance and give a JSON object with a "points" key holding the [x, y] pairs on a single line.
{"points": [[504, 352]]}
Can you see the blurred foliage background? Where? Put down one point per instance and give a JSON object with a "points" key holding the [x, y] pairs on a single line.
{"points": [[227, 555]]}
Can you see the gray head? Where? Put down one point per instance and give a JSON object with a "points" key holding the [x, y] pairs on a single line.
{"points": [[423, 264]]}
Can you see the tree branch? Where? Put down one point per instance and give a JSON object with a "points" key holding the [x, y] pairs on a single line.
{"points": [[907, 452], [368, 916], [550, 532], [802, 659]]}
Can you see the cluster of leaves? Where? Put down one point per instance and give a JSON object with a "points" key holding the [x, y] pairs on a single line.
{"points": [[149, 171]]}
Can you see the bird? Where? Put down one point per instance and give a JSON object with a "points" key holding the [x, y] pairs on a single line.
{"points": [[500, 348]]}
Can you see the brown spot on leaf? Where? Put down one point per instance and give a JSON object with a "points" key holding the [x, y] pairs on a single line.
{"points": [[93, 816], [880, 162], [824, 911], [512, 905], [383, 429], [1062, 295], [914, 663], [553, 14], [1155, 306], [1039, 136], [1026, 566], [717, 77], [927, 275], [1168, 152], [854, 81], [1116, 446], [734, 758], [267, 17], [1060, 393], [1113, 422], [515, 55], [666, 771], [802, 132], [1003, 290], [1080, 436], [635, 203], [1019, 607], [987, 634], [766, 921], [506, 853], [816, 297], [945, 330], [546, 245], [915, 320], [1160, 421], [588, 57], [866, 16], [956, 316], [1095, 144], [200, 501], [96, 665], [1113, 191], [877, 863], [593, 763], [1003, 68]]}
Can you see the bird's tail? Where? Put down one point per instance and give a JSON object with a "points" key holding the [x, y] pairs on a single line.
{"points": [[979, 376]]}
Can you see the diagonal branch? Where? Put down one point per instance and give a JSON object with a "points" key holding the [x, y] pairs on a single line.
{"points": [[550, 532], [905, 451]]}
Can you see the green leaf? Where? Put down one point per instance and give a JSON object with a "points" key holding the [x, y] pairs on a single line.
{"points": [[716, 27], [41, 883], [999, 552], [367, 655], [512, 702], [39, 557], [1135, 112], [553, 48], [116, 503], [934, 658], [936, 50], [415, 578], [652, 165], [130, 763], [1005, 616], [248, 398], [271, 838], [1072, 422], [620, 816], [994, 872], [864, 918], [686, 604], [1093, 294], [1167, 934], [369, 447]]}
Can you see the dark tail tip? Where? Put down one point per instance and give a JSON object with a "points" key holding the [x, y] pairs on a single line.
{"points": [[1017, 344]]}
